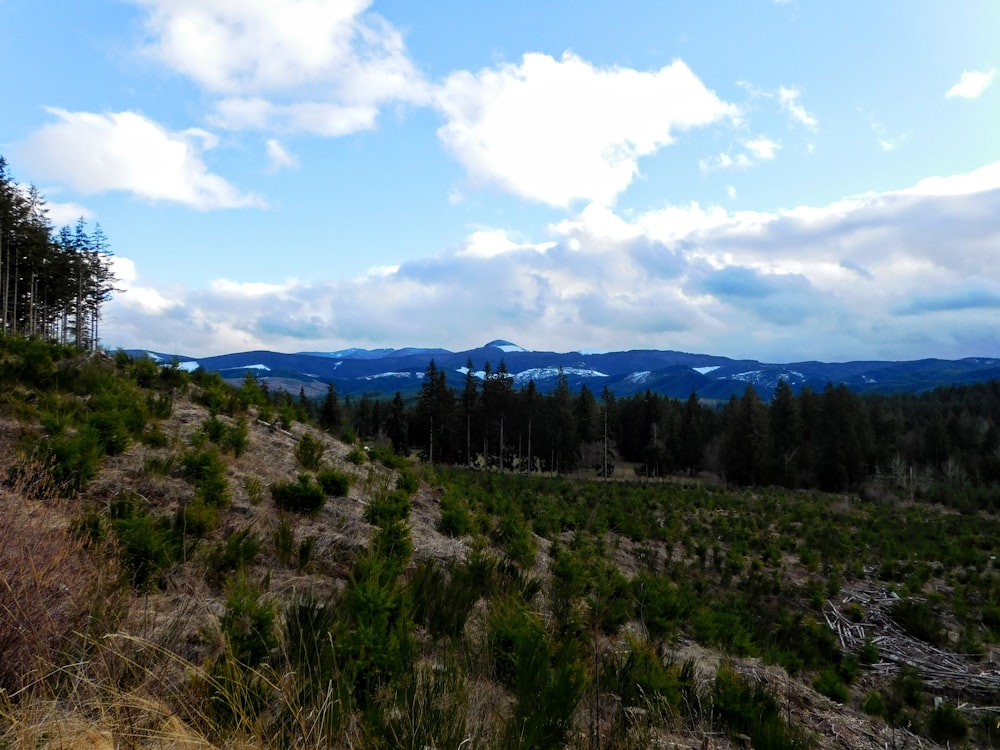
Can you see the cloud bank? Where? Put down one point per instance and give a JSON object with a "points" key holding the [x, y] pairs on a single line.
{"points": [[888, 275]]}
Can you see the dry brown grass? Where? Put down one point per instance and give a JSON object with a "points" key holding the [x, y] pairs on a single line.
{"points": [[51, 588]]}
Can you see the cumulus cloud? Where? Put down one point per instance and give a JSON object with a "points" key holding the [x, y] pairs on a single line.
{"points": [[972, 84], [558, 131], [96, 153], [891, 275], [302, 65]]}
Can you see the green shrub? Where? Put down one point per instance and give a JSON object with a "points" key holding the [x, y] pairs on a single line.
{"points": [[407, 482], [248, 623], [234, 553], [869, 653], [334, 483], [309, 452], [442, 598], [154, 437], [311, 628], [74, 459], [455, 519], [660, 603], [920, 620], [643, 678], [828, 683], [429, 709], [306, 548], [874, 704], [205, 469], [302, 496], [284, 541], [357, 455], [146, 546], [379, 639], [236, 437], [947, 724], [388, 507], [195, 520], [160, 405], [742, 708], [254, 488], [547, 681]]}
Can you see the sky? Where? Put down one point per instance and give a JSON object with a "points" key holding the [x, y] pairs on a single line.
{"points": [[782, 181]]}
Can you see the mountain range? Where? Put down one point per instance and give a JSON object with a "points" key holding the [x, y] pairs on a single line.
{"points": [[382, 372]]}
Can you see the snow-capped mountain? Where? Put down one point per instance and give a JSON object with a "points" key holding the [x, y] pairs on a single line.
{"points": [[382, 372]]}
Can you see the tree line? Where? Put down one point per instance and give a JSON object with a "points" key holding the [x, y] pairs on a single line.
{"points": [[832, 440], [52, 283]]}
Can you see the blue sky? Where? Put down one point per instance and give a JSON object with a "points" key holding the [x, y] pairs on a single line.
{"points": [[775, 180]]}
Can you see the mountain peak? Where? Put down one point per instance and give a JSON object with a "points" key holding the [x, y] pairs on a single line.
{"points": [[505, 346]]}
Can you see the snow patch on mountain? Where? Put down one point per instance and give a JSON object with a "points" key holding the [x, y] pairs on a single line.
{"points": [[767, 378], [545, 373], [638, 377], [262, 368], [505, 346], [706, 370], [190, 366], [393, 375]]}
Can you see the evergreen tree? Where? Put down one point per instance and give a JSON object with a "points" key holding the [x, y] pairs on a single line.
{"points": [[397, 425], [786, 433], [330, 415], [693, 435], [746, 443], [470, 400]]}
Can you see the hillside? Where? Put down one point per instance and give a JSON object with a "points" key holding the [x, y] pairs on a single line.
{"points": [[155, 595]]}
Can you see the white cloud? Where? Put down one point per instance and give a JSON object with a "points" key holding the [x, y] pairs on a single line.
{"points": [[757, 150], [789, 98], [972, 84], [557, 131], [763, 149], [97, 153], [487, 243], [246, 289], [63, 214], [279, 156], [303, 65]]}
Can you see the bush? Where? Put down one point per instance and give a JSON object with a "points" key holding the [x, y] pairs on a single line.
{"points": [[455, 519], [207, 472], [829, 684], [442, 598], [334, 483], [146, 546], [920, 620], [407, 482], [387, 508], [947, 724], [309, 452], [235, 553], [874, 704], [302, 496], [248, 622], [547, 680]]}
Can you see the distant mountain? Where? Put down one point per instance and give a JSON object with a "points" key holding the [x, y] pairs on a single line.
{"points": [[382, 372]]}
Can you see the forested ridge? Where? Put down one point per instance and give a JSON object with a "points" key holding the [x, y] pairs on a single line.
{"points": [[52, 282], [833, 440]]}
